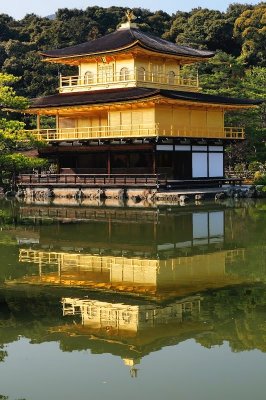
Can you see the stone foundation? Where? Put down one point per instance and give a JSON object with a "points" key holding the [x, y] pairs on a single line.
{"points": [[35, 193], [91, 193], [141, 194], [65, 192], [114, 193]]}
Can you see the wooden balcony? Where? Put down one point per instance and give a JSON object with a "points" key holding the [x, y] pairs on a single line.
{"points": [[134, 131], [129, 79]]}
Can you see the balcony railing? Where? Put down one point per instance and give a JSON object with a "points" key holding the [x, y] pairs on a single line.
{"points": [[92, 180], [134, 131], [128, 79]]}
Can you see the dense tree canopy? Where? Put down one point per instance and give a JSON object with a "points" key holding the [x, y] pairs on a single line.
{"points": [[237, 35], [13, 137]]}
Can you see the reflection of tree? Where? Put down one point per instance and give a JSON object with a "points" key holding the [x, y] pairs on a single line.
{"points": [[237, 315], [6, 398], [3, 354]]}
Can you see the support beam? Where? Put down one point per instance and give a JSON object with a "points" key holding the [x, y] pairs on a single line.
{"points": [[38, 122]]}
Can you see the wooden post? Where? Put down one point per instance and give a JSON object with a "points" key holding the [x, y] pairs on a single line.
{"points": [[57, 121], [38, 122], [109, 163], [154, 169]]}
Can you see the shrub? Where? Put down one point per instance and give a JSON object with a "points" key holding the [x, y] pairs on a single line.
{"points": [[260, 179]]}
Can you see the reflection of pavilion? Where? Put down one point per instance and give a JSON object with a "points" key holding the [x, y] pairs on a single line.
{"points": [[120, 317], [136, 327], [180, 275], [179, 255], [144, 233]]}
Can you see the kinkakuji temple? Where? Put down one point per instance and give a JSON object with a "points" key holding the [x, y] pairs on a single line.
{"points": [[133, 109]]}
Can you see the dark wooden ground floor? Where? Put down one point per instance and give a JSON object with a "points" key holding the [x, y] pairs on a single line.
{"points": [[174, 161]]}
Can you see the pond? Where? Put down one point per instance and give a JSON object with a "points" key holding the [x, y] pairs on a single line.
{"points": [[133, 302]]}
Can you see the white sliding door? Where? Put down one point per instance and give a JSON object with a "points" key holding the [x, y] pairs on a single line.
{"points": [[216, 165], [199, 165]]}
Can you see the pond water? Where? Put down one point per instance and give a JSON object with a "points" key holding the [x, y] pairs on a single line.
{"points": [[125, 303]]}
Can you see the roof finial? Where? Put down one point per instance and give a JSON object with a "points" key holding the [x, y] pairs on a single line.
{"points": [[130, 18], [130, 15]]}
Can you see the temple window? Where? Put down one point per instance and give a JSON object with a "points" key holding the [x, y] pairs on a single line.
{"points": [[124, 74], [157, 72], [105, 73], [88, 77], [171, 77], [141, 74]]}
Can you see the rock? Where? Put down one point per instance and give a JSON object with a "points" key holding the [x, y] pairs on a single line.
{"points": [[199, 197], [183, 199], [20, 193], [198, 202], [10, 193], [220, 196], [230, 192], [251, 192]]}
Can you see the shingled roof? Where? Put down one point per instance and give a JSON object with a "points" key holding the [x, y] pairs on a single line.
{"points": [[131, 94], [126, 38]]}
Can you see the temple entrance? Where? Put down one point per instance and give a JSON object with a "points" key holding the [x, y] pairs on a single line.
{"points": [[182, 165]]}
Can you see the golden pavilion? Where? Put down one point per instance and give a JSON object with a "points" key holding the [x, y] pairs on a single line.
{"points": [[133, 109]]}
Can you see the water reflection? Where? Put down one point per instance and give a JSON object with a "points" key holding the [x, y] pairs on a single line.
{"points": [[132, 329], [129, 282], [161, 254]]}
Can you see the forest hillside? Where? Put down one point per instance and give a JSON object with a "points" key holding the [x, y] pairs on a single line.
{"points": [[238, 36]]}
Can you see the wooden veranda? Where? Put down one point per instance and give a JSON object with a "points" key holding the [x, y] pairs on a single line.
{"points": [[157, 181]]}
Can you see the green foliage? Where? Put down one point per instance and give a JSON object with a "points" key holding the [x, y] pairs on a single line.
{"points": [[228, 76], [14, 139], [8, 97], [238, 69], [19, 162], [260, 179], [250, 31]]}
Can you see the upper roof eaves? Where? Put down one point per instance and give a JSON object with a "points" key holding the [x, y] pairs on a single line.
{"points": [[125, 38]]}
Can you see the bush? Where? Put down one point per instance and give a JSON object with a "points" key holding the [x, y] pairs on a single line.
{"points": [[259, 178]]}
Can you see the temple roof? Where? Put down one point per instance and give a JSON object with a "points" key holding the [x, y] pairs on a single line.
{"points": [[131, 94], [126, 38]]}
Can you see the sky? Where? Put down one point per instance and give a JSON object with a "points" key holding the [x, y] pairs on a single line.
{"points": [[19, 8]]}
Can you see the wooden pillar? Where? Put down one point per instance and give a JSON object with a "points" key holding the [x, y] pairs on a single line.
{"points": [[38, 122], [57, 121], [40, 267], [109, 162], [154, 166]]}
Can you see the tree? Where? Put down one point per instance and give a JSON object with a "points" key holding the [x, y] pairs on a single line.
{"points": [[250, 31], [13, 137], [203, 28], [227, 76]]}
